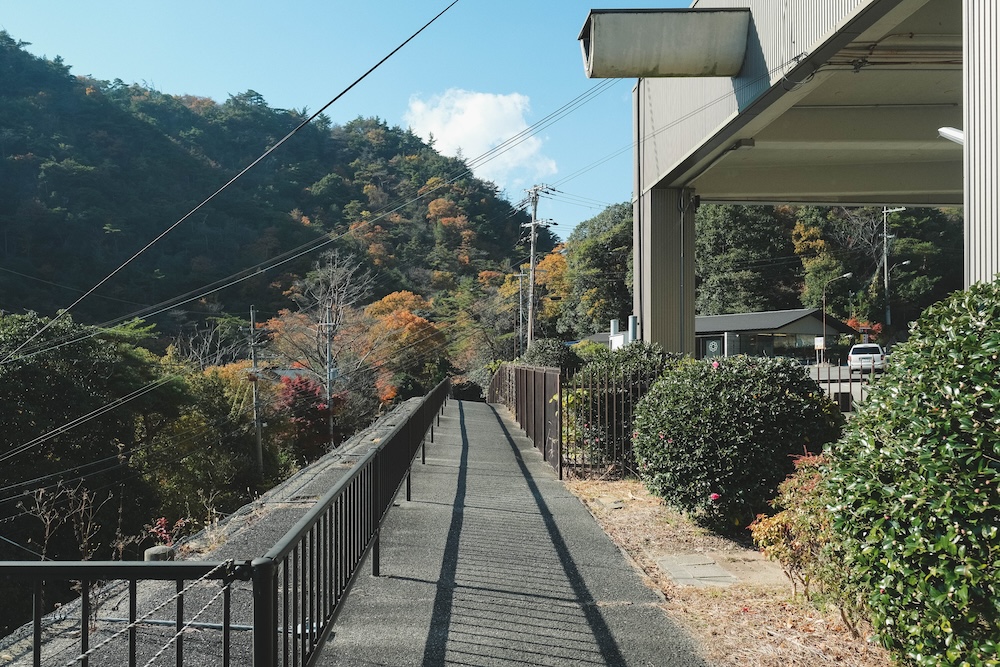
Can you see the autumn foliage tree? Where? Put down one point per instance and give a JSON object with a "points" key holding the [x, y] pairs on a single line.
{"points": [[409, 350], [302, 403]]}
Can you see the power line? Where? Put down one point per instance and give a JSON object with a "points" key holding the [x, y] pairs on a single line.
{"points": [[239, 175], [311, 246]]}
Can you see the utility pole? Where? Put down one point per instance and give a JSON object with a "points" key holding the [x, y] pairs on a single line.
{"points": [[328, 324], [533, 194], [254, 378], [520, 313], [885, 257]]}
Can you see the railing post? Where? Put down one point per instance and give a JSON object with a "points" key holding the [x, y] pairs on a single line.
{"points": [[133, 613], [265, 628], [559, 424], [179, 624], [376, 511], [36, 623], [85, 621]]}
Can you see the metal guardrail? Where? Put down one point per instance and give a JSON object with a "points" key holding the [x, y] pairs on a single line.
{"points": [[533, 394], [582, 425], [844, 386], [299, 586]]}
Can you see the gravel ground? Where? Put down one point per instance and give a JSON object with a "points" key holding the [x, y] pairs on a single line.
{"points": [[755, 623], [245, 535]]}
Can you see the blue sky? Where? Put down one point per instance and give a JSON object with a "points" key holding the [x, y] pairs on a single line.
{"points": [[483, 72]]}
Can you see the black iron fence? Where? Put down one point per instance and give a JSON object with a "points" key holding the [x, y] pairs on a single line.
{"points": [[597, 413], [296, 590], [583, 424], [533, 395]]}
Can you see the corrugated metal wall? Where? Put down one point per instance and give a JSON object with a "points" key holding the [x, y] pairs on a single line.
{"points": [[676, 115], [982, 176]]}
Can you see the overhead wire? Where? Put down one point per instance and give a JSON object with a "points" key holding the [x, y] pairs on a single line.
{"points": [[97, 412], [322, 241], [235, 178], [309, 247]]}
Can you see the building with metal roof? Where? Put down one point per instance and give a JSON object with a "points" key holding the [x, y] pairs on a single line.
{"points": [[784, 333]]}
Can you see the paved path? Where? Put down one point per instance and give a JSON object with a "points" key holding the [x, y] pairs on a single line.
{"points": [[494, 562]]}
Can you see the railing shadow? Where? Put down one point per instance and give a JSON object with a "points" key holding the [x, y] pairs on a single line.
{"points": [[509, 590]]}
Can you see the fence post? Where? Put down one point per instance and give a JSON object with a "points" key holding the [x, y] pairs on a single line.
{"points": [[376, 511], [559, 430], [36, 624], [265, 628]]}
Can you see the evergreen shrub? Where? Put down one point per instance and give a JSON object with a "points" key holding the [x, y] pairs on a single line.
{"points": [[553, 353], [914, 482], [599, 401], [715, 438]]}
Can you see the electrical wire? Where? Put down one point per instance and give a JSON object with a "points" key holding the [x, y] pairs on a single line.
{"points": [[239, 175], [21, 546], [311, 246], [583, 98]]}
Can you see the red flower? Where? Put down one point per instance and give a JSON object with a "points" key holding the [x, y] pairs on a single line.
{"points": [[714, 497]]}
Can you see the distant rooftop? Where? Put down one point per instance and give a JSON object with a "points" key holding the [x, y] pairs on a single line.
{"points": [[764, 321]]}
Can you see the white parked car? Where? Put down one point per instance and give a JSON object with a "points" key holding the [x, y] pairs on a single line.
{"points": [[866, 358]]}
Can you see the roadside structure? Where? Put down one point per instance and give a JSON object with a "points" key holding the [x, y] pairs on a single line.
{"points": [[783, 333], [835, 102]]}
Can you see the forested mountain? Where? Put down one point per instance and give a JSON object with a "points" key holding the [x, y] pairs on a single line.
{"points": [[754, 258], [377, 267], [91, 171]]}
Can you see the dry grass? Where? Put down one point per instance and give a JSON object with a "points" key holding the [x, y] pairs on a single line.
{"points": [[749, 624]]}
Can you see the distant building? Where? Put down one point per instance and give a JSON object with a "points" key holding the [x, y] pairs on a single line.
{"points": [[779, 333]]}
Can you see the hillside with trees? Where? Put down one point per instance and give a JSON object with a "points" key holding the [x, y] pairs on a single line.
{"points": [[94, 170], [376, 267]]}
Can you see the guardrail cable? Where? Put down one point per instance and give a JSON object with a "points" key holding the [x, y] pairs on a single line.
{"points": [[187, 625], [227, 565]]}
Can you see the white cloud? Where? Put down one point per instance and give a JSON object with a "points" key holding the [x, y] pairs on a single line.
{"points": [[475, 123]]}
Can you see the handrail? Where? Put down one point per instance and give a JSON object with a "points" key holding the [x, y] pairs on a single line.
{"points": [[299, 585]]}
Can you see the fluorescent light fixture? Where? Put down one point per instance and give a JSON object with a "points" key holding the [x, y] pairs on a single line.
{"points": [[952, 134]]}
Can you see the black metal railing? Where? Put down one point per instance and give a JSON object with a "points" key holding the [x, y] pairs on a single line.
{"points": [[533, 394], [597, 413], [583, 424], [298, 587], [93, 578]]}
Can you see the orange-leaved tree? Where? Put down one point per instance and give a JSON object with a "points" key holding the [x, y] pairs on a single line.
{"points": [[409, 350]]}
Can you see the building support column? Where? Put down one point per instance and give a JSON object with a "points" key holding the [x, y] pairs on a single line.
{"points": [[663, 282], [982, 140]]}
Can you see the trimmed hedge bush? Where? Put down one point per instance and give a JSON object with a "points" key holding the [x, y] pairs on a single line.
{"points": [[915, 488], [636, 362], [715, 439]]}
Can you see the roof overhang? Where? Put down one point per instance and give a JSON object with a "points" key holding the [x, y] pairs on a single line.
{"points": [[634, 43], [855, 121]]}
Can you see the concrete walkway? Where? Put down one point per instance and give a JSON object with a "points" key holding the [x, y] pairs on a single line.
{"points": [[494, 562]]}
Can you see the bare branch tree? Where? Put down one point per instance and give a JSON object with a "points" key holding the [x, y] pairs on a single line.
{"points": [[46, 506], [82, 510], [217, 342], [860, 230]]}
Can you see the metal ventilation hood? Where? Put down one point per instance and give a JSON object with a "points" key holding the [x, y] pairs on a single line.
{"points": [[635, 43]]}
